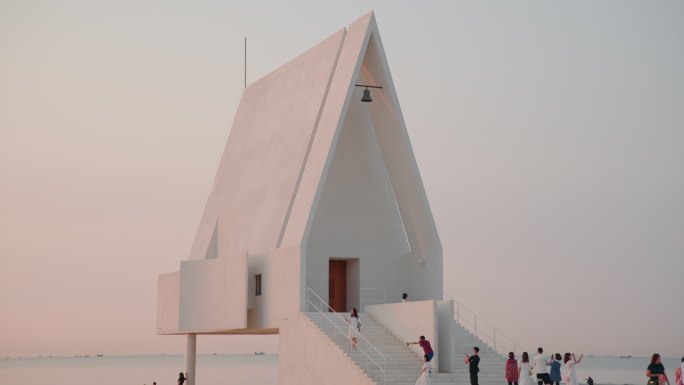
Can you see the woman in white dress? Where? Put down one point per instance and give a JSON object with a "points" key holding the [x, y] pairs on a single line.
{"points": [[424, 378], [354, 328], [524, 376], [570, 362]]}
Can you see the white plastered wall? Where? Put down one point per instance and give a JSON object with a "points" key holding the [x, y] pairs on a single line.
{"points": [[307, 356], [280, 284], [357, 216], [168, 289], [213, 294], [371, 204], [268, 145], [408, 321], [445, 323], [388, 122]]}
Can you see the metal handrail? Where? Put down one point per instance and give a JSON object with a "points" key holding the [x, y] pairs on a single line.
{"points": [[461, 315], [324, 305]]}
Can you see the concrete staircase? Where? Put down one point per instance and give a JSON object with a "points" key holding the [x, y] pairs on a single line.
{"points": [[492, 364], [402, 364]]}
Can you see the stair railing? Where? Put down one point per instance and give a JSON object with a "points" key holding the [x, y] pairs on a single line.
{"points": [[326, 312], [482, 329]]}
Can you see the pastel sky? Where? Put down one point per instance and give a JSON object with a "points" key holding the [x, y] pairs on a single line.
{"points": [[549, 135]]}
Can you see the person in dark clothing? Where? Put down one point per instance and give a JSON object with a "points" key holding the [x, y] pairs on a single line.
{"points": [[656, 371], [181, 378], [473, 361]]}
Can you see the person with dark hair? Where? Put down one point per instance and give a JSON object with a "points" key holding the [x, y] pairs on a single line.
{"points": [[354, 328], [427, 348], [424, 375], [182, 378], [540, 362], [555, 371], [404, 297], [473, 362], [512, 372], [590, 381], [524, 370], [571, 376], [656, 371]]}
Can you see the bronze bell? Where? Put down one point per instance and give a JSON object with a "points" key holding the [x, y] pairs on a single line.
{"points": [[366, 96]]}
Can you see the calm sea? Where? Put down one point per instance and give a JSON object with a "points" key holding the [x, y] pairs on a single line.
{"points": [[139, 370], [239, 369]]}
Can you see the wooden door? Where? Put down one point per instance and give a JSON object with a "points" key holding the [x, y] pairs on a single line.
{"points": [[337, 285]]}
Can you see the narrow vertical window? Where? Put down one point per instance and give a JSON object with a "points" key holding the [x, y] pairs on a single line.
{"points": [[257, 284]]}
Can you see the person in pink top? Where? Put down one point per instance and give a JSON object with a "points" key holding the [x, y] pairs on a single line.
{"points": [[425, 344], [512, 372]]}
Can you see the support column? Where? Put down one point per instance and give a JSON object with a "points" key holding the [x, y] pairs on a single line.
{"points": [[190, 357]]}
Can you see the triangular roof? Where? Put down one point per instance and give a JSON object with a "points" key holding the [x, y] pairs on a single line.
{"points": [[282, 143]]}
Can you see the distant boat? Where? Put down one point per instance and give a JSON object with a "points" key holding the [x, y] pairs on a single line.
{"points": [[625, 356], [259, 353]]}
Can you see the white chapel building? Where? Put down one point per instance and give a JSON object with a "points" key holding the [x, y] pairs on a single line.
{"points": [[318, 207]]}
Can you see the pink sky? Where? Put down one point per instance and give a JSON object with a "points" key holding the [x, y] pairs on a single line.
{"points": [[549, 136]]}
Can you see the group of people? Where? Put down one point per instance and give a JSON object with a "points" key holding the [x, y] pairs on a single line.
{"points": [[655, 372], [428, 355], [546, 369]]}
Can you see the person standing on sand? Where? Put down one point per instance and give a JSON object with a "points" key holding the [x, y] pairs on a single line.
{"points": [[540, 362], [512, 372], [182, 378], [473, 365], [570, 362]]}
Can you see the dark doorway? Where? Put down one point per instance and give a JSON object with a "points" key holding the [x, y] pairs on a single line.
{"points": [[337, 285]]}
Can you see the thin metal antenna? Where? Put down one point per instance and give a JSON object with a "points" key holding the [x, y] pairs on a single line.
{"points": [[245, 61]]}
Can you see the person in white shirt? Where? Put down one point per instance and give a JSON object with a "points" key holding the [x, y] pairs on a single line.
{"points": [[539, 362]]}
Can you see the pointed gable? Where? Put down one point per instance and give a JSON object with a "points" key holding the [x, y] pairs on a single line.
{"points": [[283, 141], [362, 60], [264, 155]]}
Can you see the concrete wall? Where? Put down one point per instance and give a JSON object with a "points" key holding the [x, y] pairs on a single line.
{"points": [[402, 168], [280, 287], [408, 321], [263, 158], [213, 294], [357, 216], [445, 322], [372, 204], [168, 291], [308, 357]]}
